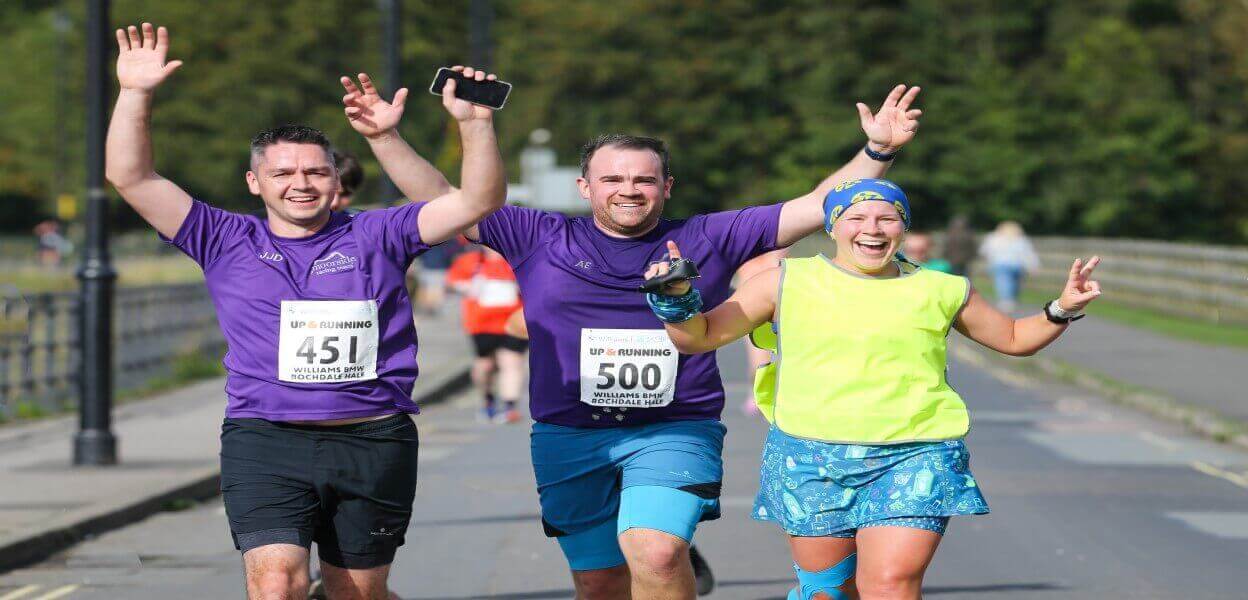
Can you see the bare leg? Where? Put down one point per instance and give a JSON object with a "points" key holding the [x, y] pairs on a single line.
{"points": [[511, 371], [659, 564], [483, 369], [602, 584], [277, 572], [356, 584], [892, 560]]}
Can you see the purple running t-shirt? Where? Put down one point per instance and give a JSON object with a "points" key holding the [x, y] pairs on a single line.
{"points": [[598, 356], [319, 327]]}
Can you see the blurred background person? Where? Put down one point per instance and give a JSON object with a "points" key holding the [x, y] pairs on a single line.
{"points": [[918, 249], [1010, 257], [52, 246], [490, 297], [350, 179], [755, 356], [959, 247], [431, 277]]}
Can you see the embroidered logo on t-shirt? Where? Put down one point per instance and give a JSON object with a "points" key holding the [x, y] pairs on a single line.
{"points": [[584, 264], [336, 262], [271, 255]]}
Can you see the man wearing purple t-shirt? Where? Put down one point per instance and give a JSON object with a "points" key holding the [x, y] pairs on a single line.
{"points": [[626, 448], [317, 444]]}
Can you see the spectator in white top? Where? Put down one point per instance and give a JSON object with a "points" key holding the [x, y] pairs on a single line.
{"points": [[1010, 257]]}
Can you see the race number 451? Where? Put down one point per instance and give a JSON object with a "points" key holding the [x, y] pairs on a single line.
{"points": [[328, 341], [329, 349]]}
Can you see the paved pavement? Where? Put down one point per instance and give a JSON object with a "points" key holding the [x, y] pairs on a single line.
{"points": [[1212, 377], [167, 449], [1090, 500]]}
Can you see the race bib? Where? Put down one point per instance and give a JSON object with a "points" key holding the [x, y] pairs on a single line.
{"points": [[327, 341], [627, 368], [492, 293]]}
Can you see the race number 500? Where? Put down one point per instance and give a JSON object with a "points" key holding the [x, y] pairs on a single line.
{"points": [[629, 375], [627, 368]]}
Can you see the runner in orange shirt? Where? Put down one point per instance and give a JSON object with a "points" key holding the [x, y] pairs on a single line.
{"points": [[490, 296]]}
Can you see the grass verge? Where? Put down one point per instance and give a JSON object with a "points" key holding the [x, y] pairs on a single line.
{"points": [[186, 369]]}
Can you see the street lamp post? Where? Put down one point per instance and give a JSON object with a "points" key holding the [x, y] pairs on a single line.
{"points": [[94, 444]]}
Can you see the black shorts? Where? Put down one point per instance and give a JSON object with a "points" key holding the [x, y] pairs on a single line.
{"points": [[349, 488], [486, 343]]}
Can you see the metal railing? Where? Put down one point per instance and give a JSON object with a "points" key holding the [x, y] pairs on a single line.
{"points": [[1203, 282], [155, 327]]}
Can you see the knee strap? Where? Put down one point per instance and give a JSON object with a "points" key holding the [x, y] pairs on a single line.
{"points": [[826, 581]]}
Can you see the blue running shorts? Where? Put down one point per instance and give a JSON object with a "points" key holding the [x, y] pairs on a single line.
{"points": [[813, 488], [594, 484]]}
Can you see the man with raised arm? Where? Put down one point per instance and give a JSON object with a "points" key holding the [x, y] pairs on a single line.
{"points": [[317, 444], [627, 440]]}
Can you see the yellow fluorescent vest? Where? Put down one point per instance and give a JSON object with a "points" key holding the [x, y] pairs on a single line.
{"points": [[861, 360]]}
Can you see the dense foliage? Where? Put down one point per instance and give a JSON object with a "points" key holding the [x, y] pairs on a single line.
{"points": [[1107, 117]]}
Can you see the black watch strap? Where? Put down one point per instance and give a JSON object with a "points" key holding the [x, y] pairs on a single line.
{"points": [[1048, 314]]}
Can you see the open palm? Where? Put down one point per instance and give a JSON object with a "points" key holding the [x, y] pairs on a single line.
{"points": [[141, 57], [895, 123], [368, 113]]}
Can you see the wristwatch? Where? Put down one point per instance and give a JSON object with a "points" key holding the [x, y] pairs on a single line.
{"points": [[880, 156], [1056, 314]]}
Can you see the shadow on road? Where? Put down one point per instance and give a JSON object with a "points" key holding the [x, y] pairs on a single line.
{"points": [[996, 588], [542, 595], [940, 589], [534, 517]]}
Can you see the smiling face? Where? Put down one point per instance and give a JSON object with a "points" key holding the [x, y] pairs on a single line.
{"points": [[298, 184], [626, 190], [867, 237]]}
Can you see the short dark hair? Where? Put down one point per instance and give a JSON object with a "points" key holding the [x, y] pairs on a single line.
{"points": [[350, 173], [294, 134], [629, 142]]}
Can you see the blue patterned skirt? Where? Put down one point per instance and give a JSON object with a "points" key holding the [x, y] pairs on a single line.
{"points": [[813, 488]]}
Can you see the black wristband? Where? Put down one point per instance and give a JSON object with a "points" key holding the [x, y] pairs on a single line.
{"points": [[1059, 320], [880, 156]]}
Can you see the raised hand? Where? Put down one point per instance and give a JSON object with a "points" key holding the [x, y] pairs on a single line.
{"points": [[1080, 290], [659, 269], [463, 110], [141, 58], [368, 113], [895, 123]]}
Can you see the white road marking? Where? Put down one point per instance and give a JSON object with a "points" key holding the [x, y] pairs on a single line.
{"points": [[1208, 469], [19, 592], [60, 592]]}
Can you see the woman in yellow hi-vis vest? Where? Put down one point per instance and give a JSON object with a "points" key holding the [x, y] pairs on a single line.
{"points": [[865, 460]]}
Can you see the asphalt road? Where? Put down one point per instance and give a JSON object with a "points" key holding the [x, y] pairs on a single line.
{"points": [[1088, 501]]}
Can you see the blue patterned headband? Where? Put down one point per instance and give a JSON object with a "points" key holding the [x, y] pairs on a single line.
{"points": [[848, 193]]}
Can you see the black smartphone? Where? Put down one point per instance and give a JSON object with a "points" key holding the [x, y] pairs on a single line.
{"points": [[486, 93]]}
